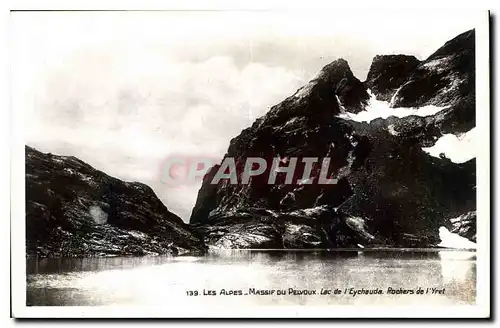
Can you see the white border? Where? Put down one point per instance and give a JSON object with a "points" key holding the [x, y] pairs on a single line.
{"points": [[483, 166], [481, 309]]}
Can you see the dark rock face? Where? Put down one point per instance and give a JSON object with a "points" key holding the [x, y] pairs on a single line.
{"points": [[387, 73], [465, 225], [319, 98], [73, 209], [389, 192]]}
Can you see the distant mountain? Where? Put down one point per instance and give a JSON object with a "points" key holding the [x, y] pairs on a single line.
{"points": [[73, 209], [391, 190]]}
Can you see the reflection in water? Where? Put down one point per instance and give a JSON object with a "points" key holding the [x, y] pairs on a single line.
{"points": [[167, 280], [458, 272]]}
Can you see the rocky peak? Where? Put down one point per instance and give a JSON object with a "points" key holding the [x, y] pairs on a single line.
{"points": [[445, 78], [387, 73]]}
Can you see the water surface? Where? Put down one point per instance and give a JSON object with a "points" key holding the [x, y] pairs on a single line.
{"points": [[170, 280]]}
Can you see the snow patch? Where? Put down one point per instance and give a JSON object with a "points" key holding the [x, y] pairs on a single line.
{"points": [[358, 224], [291, 121], [454, 83], [395, 95], [238, 240], [70, 170], [293, 228], [138, 234], [310, 211], [342, 108], [458, 149], [98, 215], [452, 240], [381, 109]]}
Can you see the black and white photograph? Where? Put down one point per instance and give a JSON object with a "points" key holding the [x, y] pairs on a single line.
{"points": [[230, 164]]}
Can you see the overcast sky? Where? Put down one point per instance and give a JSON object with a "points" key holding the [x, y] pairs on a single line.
{"points": [[124, 90]]}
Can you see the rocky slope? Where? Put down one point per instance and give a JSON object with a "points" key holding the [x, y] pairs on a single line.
{"points": [[465, 225], [390, 191], [73, 209]]}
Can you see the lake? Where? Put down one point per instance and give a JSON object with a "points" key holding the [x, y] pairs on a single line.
{"points": [[249, 277]]}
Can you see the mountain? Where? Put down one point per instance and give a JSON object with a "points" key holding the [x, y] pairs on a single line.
{"points": [[392, 189], [446, 78], [73, 209]]}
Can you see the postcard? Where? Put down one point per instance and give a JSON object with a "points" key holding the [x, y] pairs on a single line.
{"points": [[250, 164]]}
